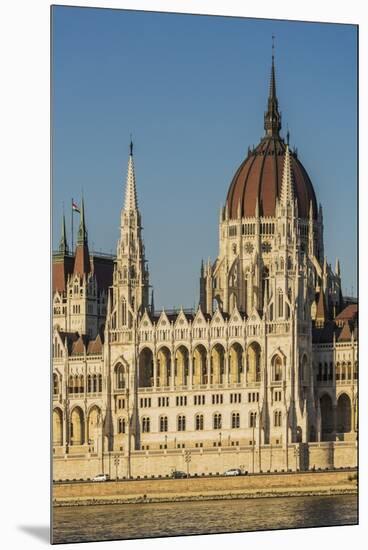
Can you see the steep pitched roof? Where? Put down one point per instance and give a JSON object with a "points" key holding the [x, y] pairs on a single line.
{"points": [[321, 313], [345, 334], [62, 266], [95, 346], [349, 313]]}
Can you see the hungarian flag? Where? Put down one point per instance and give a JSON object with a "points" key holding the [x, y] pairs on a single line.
{"points": [[75, 207]]}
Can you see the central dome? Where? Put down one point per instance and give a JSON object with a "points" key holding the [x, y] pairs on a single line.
{"points": [[260, 175]]}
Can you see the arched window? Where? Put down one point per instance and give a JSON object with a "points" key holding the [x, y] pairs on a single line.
{"points": [[71, 384], [121, 425], [235, 420], [181, 423], [253, 420], [94, 381], [89, 384], [55, 384], [119, 373], [163, 424], [337, 371], [280, 304], [123, 312], [217, 421], [277, 368], [100, 383], [319, 375], [199, 422], [277, 419], [146, 424]]}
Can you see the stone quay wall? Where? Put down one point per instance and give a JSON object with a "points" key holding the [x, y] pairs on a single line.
{"points": [[267, 458]]}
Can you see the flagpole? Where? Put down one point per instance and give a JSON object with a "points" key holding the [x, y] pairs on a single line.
{"points": [[72, 230]]}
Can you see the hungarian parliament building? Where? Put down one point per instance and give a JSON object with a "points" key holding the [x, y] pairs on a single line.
{"points": [[261, 376]]}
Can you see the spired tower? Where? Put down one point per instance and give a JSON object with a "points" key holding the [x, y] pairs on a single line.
{"points": [[131, 277], [270, 269], [127, 300]]}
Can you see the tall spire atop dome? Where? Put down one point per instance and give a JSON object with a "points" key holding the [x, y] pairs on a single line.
{"points": [[131, 202], [272, 118]]}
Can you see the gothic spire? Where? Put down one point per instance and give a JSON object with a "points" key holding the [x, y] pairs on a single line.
{"points": [[272, 118], [82, 231], [63, 246], [152, 303], [82, 264], [287, 186], [131, 202]]}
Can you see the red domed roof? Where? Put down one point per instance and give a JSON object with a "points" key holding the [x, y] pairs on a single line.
{"points": [[260, 176]]}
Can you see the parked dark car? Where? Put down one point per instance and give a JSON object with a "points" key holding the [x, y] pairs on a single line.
{"points": [[177, 474]]}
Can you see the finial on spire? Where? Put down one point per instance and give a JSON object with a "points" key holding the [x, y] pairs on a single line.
{"points": [[272, 118], [152, 303], [131, 202], [82, 232], [63, 246], [288, 136]]}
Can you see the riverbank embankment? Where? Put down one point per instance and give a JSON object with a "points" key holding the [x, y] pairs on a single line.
{"points": [[206, 488]]}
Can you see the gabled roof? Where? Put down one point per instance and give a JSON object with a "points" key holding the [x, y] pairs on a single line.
{"points": [[95, 346], [349, 313], [345, 333], [62, 266], [321, 312]]}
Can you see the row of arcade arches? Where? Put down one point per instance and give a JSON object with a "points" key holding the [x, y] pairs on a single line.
{"points": [[82, 428]]}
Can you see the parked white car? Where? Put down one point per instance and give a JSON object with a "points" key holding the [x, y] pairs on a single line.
{"points": [[101, 477], [233, 472]]}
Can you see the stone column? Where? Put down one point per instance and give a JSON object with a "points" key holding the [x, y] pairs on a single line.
{"points": [[226, 369], [190, 366], [172, 371], [209, 368], [154, 370], [244, 361]]}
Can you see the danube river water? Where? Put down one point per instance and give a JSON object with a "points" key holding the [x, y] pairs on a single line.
{"points": [[131, 521]]}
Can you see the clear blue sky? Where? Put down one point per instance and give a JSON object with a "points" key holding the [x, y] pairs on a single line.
{"points": [[192, 90]]}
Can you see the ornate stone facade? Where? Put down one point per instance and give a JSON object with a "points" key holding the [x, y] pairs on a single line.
{"points": [[267, 363]]}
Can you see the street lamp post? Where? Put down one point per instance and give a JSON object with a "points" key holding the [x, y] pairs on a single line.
{"points": [[296, 454], [187, 458], [116, 462], [253, 449]]}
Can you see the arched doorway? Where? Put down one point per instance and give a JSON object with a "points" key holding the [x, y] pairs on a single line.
{"points": [[181, 366], [326, 417], [77, 427], [94, 417], [163, 366], [254, 363], [217, 364], [236, 363], [343, 414], [57, 427], [200, 375], [145, 368]]}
